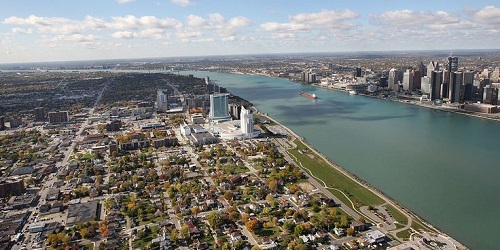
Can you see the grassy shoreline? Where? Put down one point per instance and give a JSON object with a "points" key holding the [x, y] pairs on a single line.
{"points": [[319, 165]]}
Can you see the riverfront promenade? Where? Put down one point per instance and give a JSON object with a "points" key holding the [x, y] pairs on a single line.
{"points": [[351, 209]]}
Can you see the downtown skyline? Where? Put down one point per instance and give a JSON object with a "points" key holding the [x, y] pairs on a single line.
{"points": [[34, 31]]}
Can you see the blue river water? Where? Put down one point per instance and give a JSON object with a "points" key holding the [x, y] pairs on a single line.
{"points": [[442, 166]]}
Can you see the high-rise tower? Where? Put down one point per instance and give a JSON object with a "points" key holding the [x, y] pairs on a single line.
{"points": [[246, 122], [451, 67], [436, 79], [455, 86], [219, 110], [161, 100]]}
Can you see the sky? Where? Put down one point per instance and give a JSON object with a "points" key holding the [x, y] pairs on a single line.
{"points": [[62, 30]]}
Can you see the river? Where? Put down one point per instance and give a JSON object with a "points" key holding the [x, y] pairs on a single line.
{"points": [[442, 166]]}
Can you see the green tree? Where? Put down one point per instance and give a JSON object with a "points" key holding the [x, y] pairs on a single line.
{"points": [[299, 230], [184, 231], [214, 219], [84, 232], [344, 221], [289, 226], [174, 236]]}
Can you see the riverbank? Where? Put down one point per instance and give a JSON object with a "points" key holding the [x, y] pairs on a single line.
{"points": [[444, 108], [401, 209], [419, 157]]}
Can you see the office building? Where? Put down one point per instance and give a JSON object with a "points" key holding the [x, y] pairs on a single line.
{"points": [[246, 122], [425, 85], [408, 80], [422, 69], [308, 77], [219, 109], [114, 125], [417, 78], [195, 102], [495, 75], [395, 77], [468, 84], [451, 67], [455, 87], [9, 187], [452, 64], [58, 117], [39, 114], [485, 73], [357, 72], [383, 82], [161, 100], [436, 80], [235, 111], [490, 95], [478, 95], [432, 66]]}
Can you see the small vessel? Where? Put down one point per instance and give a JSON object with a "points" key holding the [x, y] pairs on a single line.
{"points": [[353, 92], [313, 96]]}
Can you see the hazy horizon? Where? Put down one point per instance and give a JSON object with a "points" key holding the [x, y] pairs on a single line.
{"points": [[342, 53]]}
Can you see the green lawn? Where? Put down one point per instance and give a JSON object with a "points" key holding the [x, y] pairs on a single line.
{"points": [[417, 225], [398, 216], [89, 246], [233, 169], [271, 232], [405, 234], [333, 178], [88, 156]]}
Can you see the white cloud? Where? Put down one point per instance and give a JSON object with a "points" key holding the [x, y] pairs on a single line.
{"points": [[182, 3], [239, 22], [56, 25], [123, 35], [285, 36], [228, 39], [124, 1], [216, 18], [196, 21], [78, 38], [273, 26], [488, 15], [22, 31], [218, 24], [330, 19], [189, 34], [132, 22], [202, 40], [145, 34], [30, 20], [416, 18], [326, 18], [94, 23]]}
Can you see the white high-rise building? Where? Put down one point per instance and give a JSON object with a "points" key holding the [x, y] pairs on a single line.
{"points": [[161, 100], [432, 66], [246, 122], [395, 77], [495, 75], [408, 80]]}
